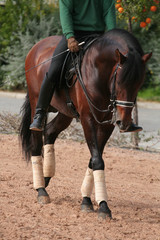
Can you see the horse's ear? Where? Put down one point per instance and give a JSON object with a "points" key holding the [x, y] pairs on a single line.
{"points": [[146, 57], [120, 57]]}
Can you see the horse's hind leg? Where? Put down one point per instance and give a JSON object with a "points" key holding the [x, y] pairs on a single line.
{"points": [[42, 172], [53, 128], [37, 167]]}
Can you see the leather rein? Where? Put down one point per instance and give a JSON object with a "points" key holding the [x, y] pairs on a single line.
{"points": [[114, 102]]}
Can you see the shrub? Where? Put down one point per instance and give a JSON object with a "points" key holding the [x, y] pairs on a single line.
{"points": [[13, 69]]}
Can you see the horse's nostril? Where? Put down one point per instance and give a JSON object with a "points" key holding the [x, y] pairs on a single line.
{"points": [[118, 122]]}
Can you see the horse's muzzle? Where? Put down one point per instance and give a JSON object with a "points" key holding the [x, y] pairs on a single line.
{"points": [[128, 127]]}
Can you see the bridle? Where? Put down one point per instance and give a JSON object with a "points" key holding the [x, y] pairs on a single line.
{"points": [[114, 102], [113, 99]]}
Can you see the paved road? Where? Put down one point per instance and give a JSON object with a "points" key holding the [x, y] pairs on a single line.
{"points": [[149, 113], [11, 102], [149, 116]]}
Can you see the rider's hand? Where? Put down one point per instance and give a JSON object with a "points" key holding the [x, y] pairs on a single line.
{"points": [[73, 44]]}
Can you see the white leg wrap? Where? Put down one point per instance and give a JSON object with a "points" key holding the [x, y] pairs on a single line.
{"points": [[38, 178], [88, 182], [49, 160], [100, 186]]}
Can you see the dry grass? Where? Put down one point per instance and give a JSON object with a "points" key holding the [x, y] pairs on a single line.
{"points": [[9, 124]]}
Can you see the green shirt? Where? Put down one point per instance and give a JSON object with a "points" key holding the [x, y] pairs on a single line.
{"points": [[86, 15]]}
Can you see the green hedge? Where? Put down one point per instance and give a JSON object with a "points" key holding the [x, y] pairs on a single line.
{"points": [[24, 23], [13, 70]]}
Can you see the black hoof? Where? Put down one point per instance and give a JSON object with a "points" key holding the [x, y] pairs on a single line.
{"points": [[104, 212], [87, 205], [43, 197], [87, 208]]}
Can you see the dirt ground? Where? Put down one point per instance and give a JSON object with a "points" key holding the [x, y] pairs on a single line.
{"points": [[133, 183]]}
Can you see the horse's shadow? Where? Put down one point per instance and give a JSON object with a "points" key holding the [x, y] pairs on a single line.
{"points": [[138, 211]]}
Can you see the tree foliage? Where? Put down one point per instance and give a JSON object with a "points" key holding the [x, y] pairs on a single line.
{"points": [[143, 13], [23, 23], [142, 18], [15, 16], [13, 70]]}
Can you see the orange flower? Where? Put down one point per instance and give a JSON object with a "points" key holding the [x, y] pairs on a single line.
{"points": [[148, 20], [120, 9], [117, 5], [153, 8], [143, 24], [134, 19]]}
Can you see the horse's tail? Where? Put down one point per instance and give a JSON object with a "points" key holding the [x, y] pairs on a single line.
{"points": [[25, 132]]}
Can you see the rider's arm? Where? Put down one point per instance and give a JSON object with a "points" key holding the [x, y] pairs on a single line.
{"points": [[109, 14], [66, 9], [66, 12]]}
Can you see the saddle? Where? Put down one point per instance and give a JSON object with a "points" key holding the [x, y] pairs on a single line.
{"points": [[71, 65]]}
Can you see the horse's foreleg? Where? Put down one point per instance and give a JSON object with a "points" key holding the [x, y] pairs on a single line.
{"points": [[96, 137], [101, 194], [53, 128], [37, 168]]}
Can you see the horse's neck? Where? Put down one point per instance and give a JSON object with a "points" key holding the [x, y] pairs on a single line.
{"points": [[96, 71]]}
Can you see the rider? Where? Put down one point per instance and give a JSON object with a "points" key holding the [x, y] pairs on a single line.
{"points": [[79, 18]]}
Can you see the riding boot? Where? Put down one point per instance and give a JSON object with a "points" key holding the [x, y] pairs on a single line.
{"points": [[45, 96], [133, 128], [38, 120]]}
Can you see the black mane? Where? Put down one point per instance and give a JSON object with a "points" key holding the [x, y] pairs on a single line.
{"points": [[129, 38], [132, 68]]}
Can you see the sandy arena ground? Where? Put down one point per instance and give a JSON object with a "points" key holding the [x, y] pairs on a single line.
{"points": [[133, 183]]}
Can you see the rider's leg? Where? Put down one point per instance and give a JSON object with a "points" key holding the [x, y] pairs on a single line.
{"points": [[48, 86]]}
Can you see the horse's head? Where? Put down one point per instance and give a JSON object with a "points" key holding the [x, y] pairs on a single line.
{"points": [[127, 79]]}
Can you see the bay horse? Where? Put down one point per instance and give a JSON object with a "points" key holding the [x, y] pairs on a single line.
{"points": [[112, 72]]}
